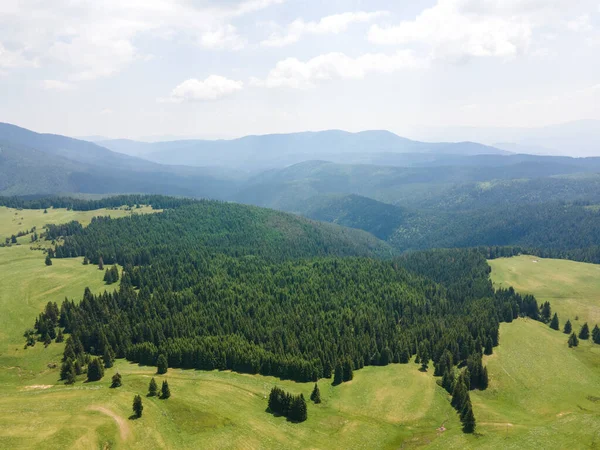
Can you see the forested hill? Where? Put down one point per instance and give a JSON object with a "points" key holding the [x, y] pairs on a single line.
{"points": [[212, 285], [215, 227]]}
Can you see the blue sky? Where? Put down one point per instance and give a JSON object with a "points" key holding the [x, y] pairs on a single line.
{"points": [[204, 68]]}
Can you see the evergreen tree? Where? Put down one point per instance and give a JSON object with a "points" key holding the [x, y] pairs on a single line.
{"points": [[60, 337], [152, 388], [165, 391], [554, 323], [316, 395], [95, 370], [338, 376], [468, 419], [13, 239], [298, 410], [137, 406], [348, 374], [459, 394], [489, 347], [568, 328], [596, 335], [573, 341], [48, 260], [584, 333], [545, 312], [86, 261], [448, 381], [114, 271], [67, 369], [100, 263], [109, 357], [116, 380], [162, 365], [424, 354], [484, 379], [108, 277]]}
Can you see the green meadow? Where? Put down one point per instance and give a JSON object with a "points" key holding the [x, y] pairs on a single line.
{"points": [[542, 394]]}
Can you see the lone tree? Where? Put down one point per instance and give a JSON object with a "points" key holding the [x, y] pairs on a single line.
{"points": [[116, 381], [101, 263], [162, 365], [95, 370], [152, 388], [137, 406], [568, 328], [573, 341], [165, 391], [48, 260], [554, 323], [585, 332], [316, 394]]}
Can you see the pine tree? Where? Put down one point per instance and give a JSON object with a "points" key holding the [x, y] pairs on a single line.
{"points": [[162, 365], [596, 335], [114, 271], [60, 337], [568, 328], [316, 395], [573, 341], [489, 346], [100, 263], [545, 312], [424, 354], [584, 333], [108, 277], [298, 409], [448, 381], [554, 323], [165, 391], [48, 260], [67, 371], [459, 394], [95, 370], [152, 388], [86, 261], [468, 419], [109, 357], [116, 381], [338, 376], [484, 379], [348, 374], [137, 406]]}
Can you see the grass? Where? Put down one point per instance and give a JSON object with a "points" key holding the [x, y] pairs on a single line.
{"points": [[542, 394], [572, 288], [14, 220]]}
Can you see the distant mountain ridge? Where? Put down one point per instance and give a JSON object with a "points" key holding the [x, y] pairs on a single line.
{"points": [[259, 152]]}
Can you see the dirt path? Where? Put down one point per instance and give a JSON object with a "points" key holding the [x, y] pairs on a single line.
{"points": [[124, 429]]}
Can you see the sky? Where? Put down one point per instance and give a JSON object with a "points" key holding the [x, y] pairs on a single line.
{"points": [[228, 68]]}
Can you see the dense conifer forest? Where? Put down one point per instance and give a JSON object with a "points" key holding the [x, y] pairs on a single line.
{"points": [[222, 286]]}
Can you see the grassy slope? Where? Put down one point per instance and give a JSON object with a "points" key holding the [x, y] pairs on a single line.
{"points": [[12, 220], [572, 288], [540, 390]]}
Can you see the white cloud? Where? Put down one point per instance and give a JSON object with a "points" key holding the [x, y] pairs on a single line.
{"points": [[106, 111], [15, 59], [56, 85], [294, 73], [222, 37], [457, 29], [334, 24], [212, 88], [580, 24], [98, 39]]}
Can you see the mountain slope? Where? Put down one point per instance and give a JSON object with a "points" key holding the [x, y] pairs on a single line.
{"points": [[277, 150]]}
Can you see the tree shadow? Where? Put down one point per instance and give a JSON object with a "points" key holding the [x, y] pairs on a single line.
{"points": [[134, 417]]}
